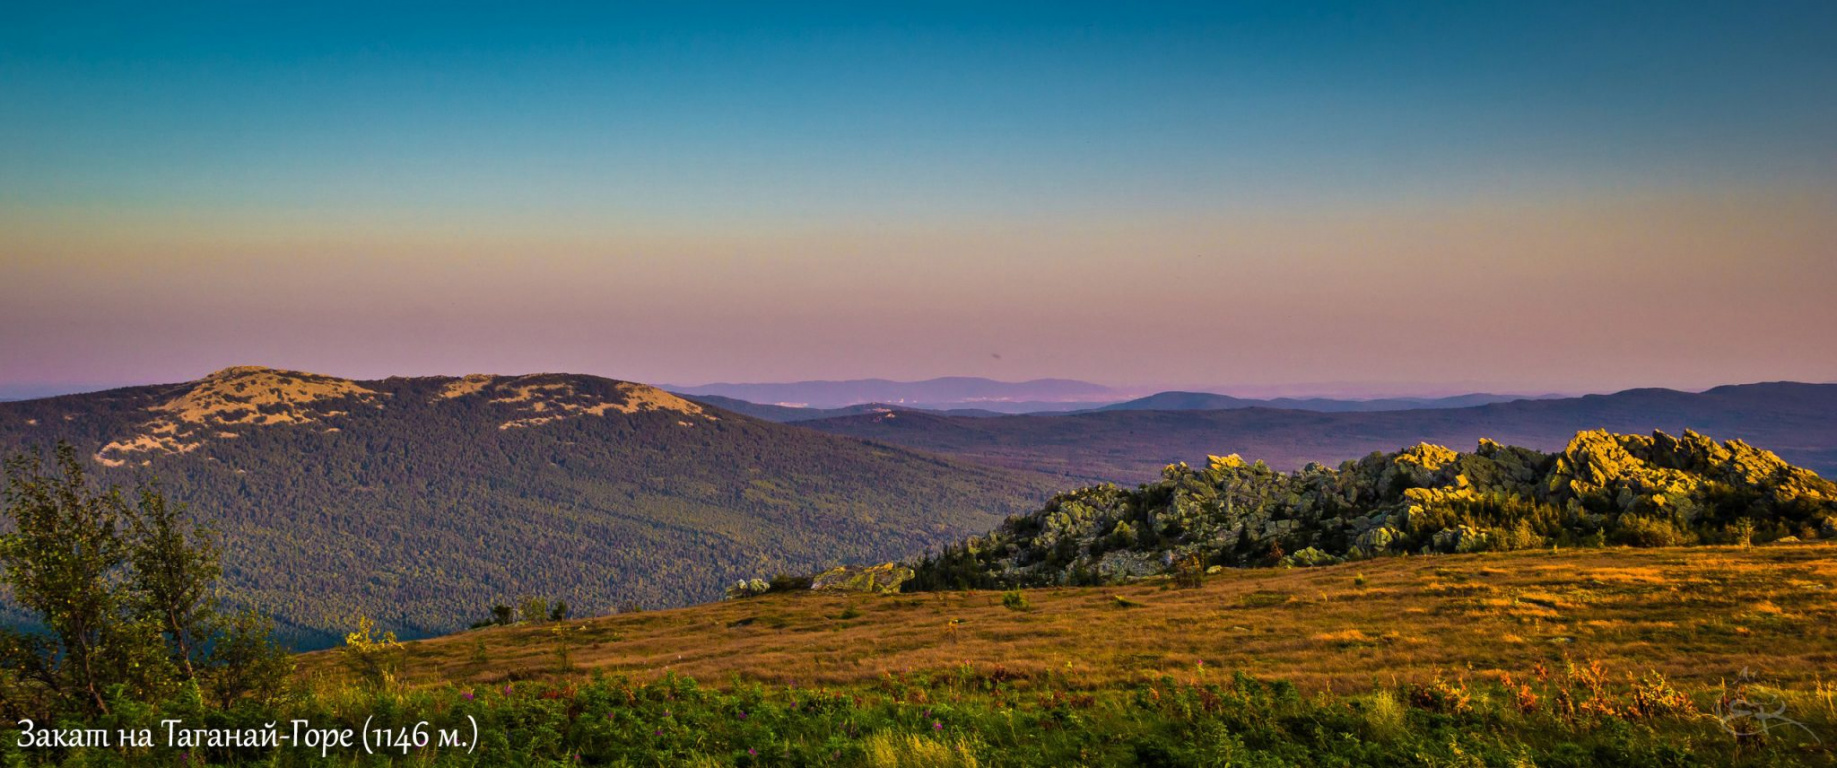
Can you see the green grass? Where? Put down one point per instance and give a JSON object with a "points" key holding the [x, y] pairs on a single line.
{"points": [[968, 716], [1617, 657]]}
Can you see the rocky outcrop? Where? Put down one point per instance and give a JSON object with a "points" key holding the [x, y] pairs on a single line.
{"points": [[885, 578], [1602, 488]]}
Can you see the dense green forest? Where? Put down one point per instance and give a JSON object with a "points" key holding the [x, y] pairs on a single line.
{"points": [[423, 501], [1602, 489]]}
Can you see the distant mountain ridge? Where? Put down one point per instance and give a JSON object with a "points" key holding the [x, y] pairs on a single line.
{"points": [[1207, 401], [833, 399], [785, 414], [940, 393], [421, 501], [1797, 421]]}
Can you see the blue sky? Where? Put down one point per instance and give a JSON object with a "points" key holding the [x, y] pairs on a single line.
{"points": [[716, 109], [411, 145]]}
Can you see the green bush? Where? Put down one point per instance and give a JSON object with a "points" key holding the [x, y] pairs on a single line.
{"points": [[1013, 600], [1644, 531], [125, 593]]}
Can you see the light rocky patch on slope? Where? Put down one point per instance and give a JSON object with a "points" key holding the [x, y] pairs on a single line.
{"points": [[553, 402], [538, 399], [468, 385], [234, 397]]}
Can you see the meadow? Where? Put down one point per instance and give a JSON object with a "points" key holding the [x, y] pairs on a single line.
{"points": [[1661, 657], [1712, 656], [1698, 615]]}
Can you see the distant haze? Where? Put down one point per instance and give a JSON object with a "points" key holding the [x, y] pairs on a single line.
{"points": [[1339, 199], [952, 391]]}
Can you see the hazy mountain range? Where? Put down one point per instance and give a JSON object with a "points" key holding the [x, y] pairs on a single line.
{"points": [[1207, 401], [941, 393], [1797, 421], [786, 414], [965, 396]]}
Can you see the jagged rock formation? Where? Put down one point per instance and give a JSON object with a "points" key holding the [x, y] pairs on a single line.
{"points": [[1603, 488]]}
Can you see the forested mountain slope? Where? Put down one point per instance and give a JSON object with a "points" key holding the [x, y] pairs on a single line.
{"points": [[421, 501]]}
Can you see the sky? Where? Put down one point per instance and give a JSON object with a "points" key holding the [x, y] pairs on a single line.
{"points": [[1278, 198]]}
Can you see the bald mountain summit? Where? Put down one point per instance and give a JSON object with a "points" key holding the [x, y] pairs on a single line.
{"points": [[421, 502], [1602, 489]]}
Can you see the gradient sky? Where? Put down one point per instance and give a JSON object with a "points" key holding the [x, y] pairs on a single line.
{"points": [[1358, 197]]}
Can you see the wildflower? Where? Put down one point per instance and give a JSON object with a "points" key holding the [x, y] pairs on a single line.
{"points": [[742, 715], [468, 695], [751, 751], [937, 726]]}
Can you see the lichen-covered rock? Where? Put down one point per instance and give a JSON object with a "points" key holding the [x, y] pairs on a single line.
{"points": [[1465, 538], [1123, 565], [1601, 488], [885, 578], [1310, 557], [745, 588], [1374, 542]]}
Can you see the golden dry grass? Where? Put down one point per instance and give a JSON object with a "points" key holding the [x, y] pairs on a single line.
{"points": [[1697, 615]]}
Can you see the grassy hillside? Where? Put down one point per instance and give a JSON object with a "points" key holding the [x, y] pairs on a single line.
{"points": [[421, 502], [1578, 659], [1606, 657], [1797, 421], [1698, 615]]}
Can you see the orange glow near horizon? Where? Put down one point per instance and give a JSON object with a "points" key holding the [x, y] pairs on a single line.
{"points": [[1685, 290]]}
